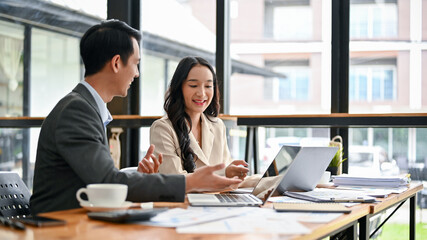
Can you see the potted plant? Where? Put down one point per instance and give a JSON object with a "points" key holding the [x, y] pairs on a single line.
{"points": [[335, 166]]}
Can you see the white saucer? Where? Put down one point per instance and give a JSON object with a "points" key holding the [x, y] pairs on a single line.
{"points": [[94, 208]]}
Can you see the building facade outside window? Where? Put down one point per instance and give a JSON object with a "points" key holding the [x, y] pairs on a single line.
{"points": [[372, 83], [296, 85], [370, 20], [278, 26], [290, 38], [386, 76], [170, 33]]}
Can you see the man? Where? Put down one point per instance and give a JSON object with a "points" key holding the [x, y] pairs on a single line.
{"points": [[73, 150]]}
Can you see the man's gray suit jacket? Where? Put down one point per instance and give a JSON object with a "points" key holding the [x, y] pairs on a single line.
{"points": [[73, 151]]}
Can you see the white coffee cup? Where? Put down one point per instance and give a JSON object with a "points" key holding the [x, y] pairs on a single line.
{"points": [[103, 194], [325, 178]]}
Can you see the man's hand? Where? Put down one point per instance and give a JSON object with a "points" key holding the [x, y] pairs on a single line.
{"points": [[204, 179], [147, 166], [238, 168]]}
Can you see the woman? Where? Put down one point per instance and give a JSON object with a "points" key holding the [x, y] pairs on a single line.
{"points": [[190, 135]]}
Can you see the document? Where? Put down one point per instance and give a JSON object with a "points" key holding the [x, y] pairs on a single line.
{"points": [[261, 220], [328, 195], [379, 192], [285, 199], [178, 217], [380, 181], [255, 220]]}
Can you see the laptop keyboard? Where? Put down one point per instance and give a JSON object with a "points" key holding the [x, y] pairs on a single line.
{"points": [[234, 198]]}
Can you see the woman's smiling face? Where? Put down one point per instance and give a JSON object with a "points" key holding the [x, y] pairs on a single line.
{"points": [[198, 90]]}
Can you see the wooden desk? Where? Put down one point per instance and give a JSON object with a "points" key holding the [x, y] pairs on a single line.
{"points": [[394, 200], [79, 226]]}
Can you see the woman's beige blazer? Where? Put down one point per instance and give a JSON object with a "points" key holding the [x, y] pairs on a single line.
{"points": [[214, 145]]}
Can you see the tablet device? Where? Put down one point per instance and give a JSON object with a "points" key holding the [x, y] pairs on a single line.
{"points": [[129, 215], [40, 221]]}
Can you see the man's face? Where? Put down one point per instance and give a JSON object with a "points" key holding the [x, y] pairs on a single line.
{"points": [[128, 72]]}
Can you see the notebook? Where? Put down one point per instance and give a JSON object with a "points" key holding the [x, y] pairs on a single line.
{"points": [[293, 168]]}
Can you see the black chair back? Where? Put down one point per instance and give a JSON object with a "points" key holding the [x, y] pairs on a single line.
{"points": [[14, 196]]}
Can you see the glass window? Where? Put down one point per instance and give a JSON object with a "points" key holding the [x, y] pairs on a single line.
{"points": [[11, 69], [270, 140], [183, 28], [96, 8], [55, 69], [386, 68], [11, 141], [169, 34], [421, 151], [299, 28], [401, 149], [297, 84], [153, 85], [372, 83], [372, 19], [285, 74]]}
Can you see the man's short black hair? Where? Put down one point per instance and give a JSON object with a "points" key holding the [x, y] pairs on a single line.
{"points": [[103, 41]]}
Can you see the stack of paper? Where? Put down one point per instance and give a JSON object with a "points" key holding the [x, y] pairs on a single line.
{"points": [[382, 181]]}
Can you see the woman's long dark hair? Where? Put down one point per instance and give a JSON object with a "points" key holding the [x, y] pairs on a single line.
{"points": [[175, 107]]}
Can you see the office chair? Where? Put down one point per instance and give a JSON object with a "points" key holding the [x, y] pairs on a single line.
{"points": [[14, 196]]}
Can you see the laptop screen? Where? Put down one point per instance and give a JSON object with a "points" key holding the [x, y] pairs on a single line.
{"points": [[274, 173], [301, 175]]}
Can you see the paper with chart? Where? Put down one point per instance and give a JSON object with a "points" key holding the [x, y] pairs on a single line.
{"points": [[255, 220], [177, 217], [261, 220]]}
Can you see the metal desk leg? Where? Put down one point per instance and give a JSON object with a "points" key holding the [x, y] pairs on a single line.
{"points": [[255, 149], [412, 222], [364, 228], [251, 151], [349, 233]]}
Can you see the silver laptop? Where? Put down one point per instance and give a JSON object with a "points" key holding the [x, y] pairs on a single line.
{"points": [[293, 168]]}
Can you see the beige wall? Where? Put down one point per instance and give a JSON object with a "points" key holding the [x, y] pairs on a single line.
{"points": [[402, 79], [315, 80], [249, 25], [403, 19], [424, 20], [316, 7], [205, 11], [424, 77]]}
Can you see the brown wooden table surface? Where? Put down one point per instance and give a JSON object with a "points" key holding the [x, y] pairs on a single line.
{"points": [[395, 198], [79, 226]]}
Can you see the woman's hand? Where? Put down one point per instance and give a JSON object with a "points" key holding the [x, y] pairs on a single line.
{"points": [[148, 166], [237, 168], [204, 179]]}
